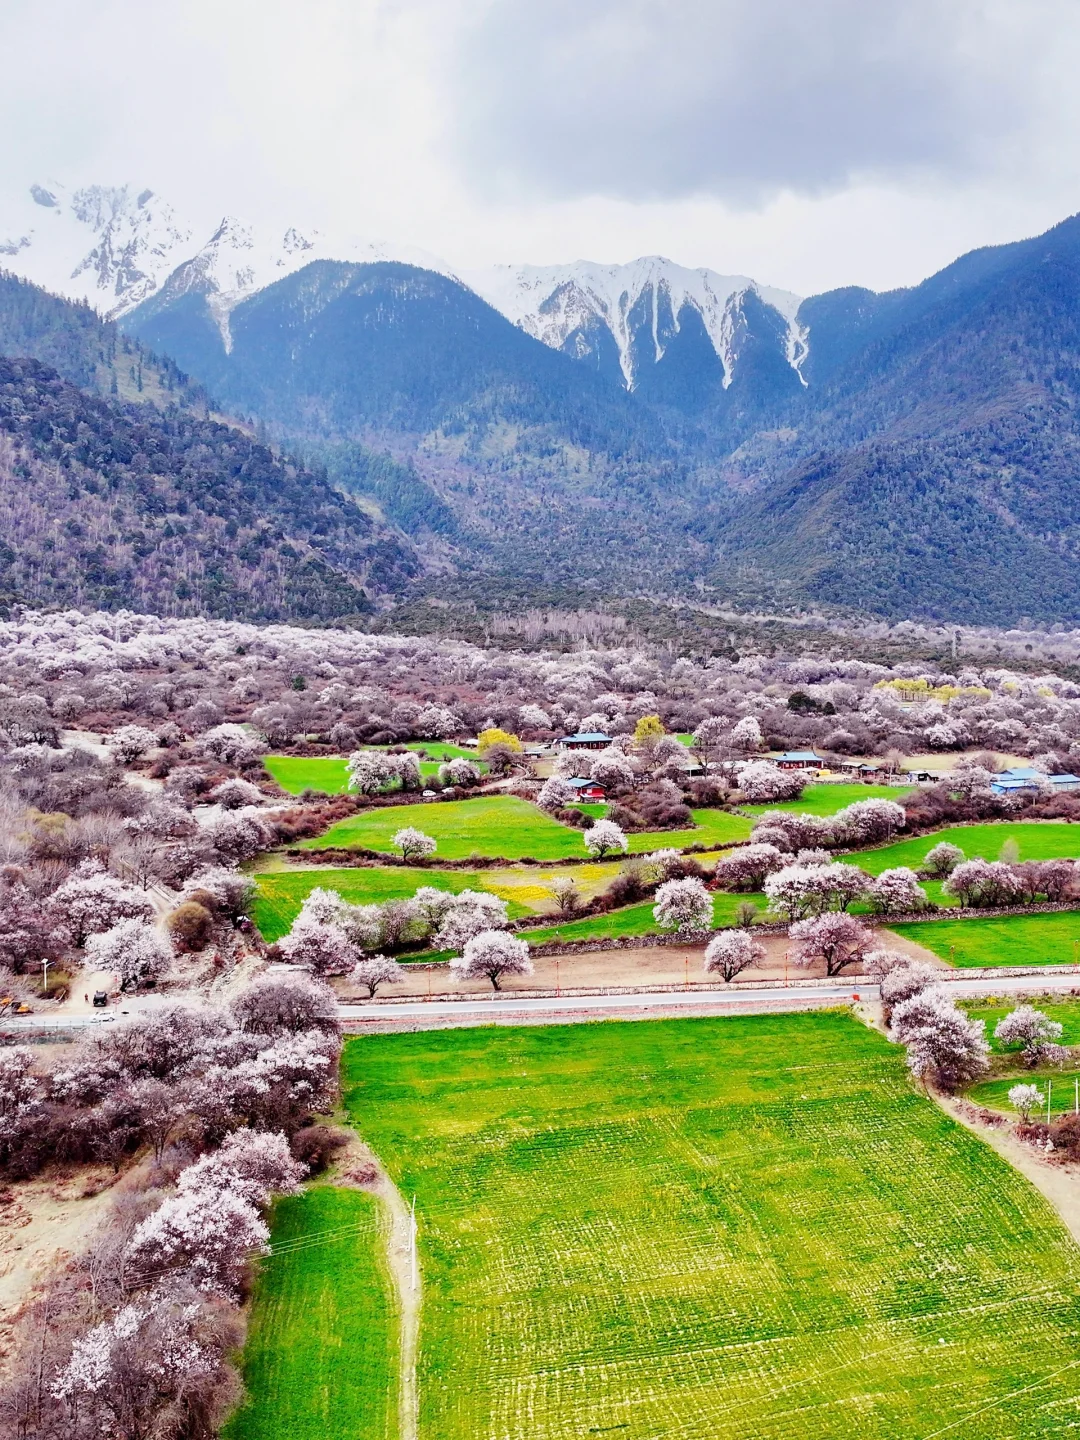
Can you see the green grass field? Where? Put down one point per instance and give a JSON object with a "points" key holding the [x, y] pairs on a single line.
{"points": [[1066, 1012], [1037, 841], [1059, 1087], [329, 773], [736, 1229], [828, 799], [632, 920], [321, 1354], [1046, 939], [282, 892], [502, 826]]}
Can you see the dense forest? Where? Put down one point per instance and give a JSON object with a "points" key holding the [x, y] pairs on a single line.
{"points": [[115, 505]]}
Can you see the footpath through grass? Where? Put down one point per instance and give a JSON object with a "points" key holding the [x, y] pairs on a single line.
{"points": [[322, 1349], [505, 827], [1041, 939], [736, 1229]]}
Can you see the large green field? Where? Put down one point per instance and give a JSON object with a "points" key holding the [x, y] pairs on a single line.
{"points": [[828, 799], [1047, 840], [329, 773], [282, 892], [633, 920], [737, 1229], [321, 1354], [502, 826], [1041, 939]]}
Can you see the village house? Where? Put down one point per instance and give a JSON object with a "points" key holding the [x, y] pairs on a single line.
{"points": [[588, 740]]}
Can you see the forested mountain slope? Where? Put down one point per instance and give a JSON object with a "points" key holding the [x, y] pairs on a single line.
{"points": [[116, 506]]}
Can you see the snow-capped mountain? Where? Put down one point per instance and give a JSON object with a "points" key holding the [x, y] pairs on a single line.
{"points": [[115, 247], [111, 246], [638, 305], [118, 247]]}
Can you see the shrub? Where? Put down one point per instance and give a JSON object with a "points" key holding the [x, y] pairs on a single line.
{"points": [[190, 925]]}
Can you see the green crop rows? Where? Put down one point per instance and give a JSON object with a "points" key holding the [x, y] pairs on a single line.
{"points": [[321, 1354], [738, 1229]]}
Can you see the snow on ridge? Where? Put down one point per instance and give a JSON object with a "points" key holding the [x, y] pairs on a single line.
{"points": [[550, 302], [116, 246]]}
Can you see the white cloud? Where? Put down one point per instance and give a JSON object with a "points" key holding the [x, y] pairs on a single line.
{"points": [[810, 144]]}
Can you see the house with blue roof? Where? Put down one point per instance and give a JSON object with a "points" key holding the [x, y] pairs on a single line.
{"points": [[1025, 779]]}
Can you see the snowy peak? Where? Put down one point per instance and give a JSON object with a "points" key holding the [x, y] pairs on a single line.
{"points": [[109, 245], [116, 246], [639, 305]]}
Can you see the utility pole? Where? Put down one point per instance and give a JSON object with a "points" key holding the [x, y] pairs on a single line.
{"points": [[1049, 1092]]}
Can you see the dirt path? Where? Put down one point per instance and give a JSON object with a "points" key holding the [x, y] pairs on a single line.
{"points": [[43, 1223], [360, 1166], [1060, 1184]]}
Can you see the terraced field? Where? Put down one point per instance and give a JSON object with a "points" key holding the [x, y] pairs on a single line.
{"points": [[738, 1229], [321, 1354], [504, 827], [1042, 939]]}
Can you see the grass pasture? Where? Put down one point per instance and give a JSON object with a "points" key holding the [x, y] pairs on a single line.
{"points": [[1037, 840], [504, 827], [282, 892], [1059, 1087], [321, 1353], [1040, 939], [1066, 1012], [827, 799], [329, 773], [736, 1229], [632, 920]]}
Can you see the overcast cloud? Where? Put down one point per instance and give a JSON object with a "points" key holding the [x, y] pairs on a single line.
{"points": [[740, 99], [809, 144]]}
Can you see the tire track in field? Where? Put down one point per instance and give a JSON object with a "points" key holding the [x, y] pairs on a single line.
{"points": [[402, 1262]]}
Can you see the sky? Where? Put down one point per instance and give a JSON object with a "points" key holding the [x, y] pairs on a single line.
{"points": [[807, 143]]}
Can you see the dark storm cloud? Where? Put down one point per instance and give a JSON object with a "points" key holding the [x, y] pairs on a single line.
{"points": [[738, 99]]}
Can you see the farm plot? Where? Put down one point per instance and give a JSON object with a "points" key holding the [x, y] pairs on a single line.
{"points": [[633, 920], [321, 1353], [1059, 1087], [749, 1227], [1045, 840], [527, 891], [828, 799], [1066, 1012], [329, 773], [1041, 939], [282, 892], [505, 827]]}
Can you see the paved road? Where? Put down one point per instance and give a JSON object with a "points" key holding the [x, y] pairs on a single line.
{"points": [[476, 1009], [745, 998]]}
